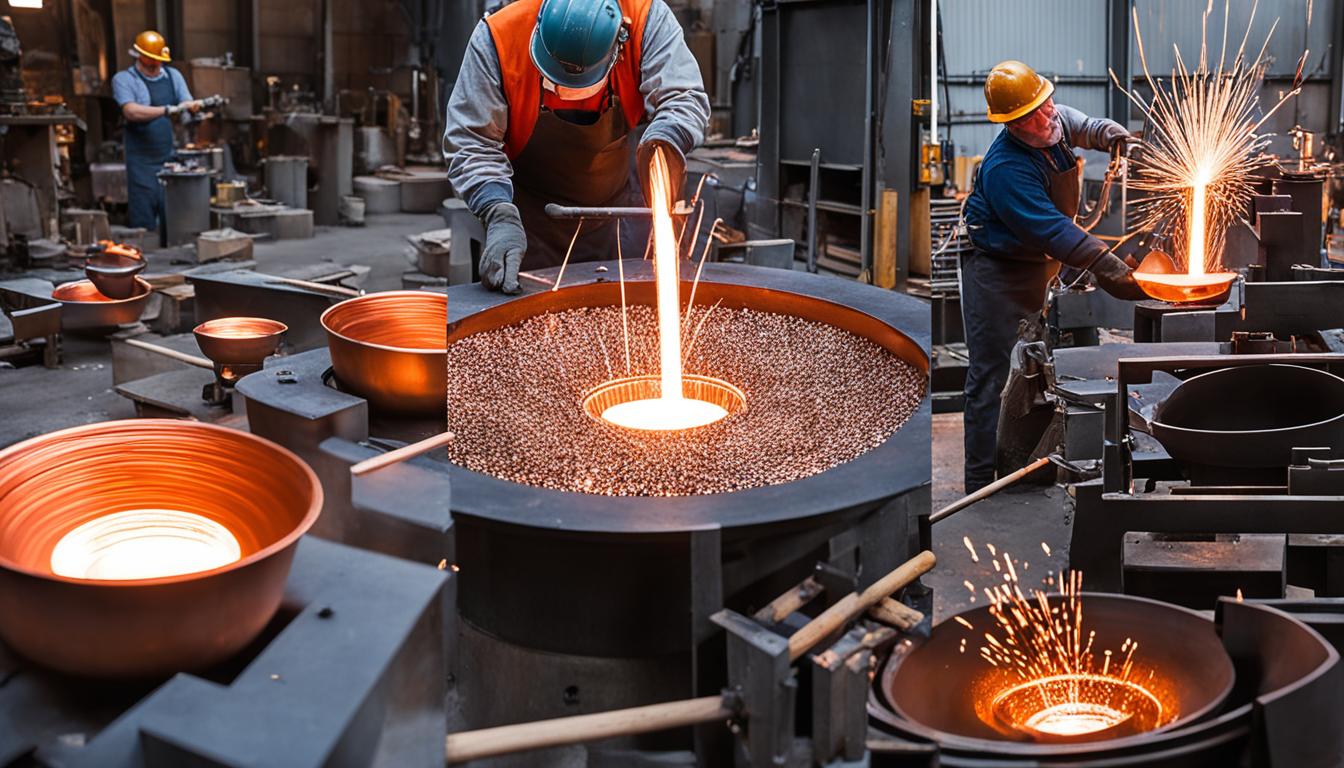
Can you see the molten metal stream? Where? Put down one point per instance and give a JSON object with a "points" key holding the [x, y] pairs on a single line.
{"points": [[1198, 210], [671, 409]]}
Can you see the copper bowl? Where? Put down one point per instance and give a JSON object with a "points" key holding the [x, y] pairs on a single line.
{"points": [[392, 349], [84, 307], [113, 274], [239, 340], [1158, 277], [262, 494]]}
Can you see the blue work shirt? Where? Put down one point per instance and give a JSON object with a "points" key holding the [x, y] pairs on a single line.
{"points": [[1009, 213], [127, 87]]}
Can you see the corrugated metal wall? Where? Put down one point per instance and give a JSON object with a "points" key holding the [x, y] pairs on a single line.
{"points": [[1066, 40]]}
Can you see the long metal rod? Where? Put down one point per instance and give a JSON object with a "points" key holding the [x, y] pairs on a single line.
{"points": [[556, 211], [813, 179], [401, 454]]}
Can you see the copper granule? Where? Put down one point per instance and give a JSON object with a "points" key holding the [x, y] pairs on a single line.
{"points": [[816, 397]]}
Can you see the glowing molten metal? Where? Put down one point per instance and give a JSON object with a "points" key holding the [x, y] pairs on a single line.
{"points": [[671, 409], [1049, 684], [144, 544]]}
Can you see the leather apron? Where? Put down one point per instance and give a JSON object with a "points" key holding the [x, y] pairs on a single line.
{"points": [[148, 146], [576, 165]]}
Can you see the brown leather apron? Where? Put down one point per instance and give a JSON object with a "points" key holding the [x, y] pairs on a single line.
{"points": [[575, 165], [1066, 187]]}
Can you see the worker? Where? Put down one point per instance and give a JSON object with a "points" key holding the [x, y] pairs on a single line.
{"points": [[545, 110], [149, 94], [1020, 219]]}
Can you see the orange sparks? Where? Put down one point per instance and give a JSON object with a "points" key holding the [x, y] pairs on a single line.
{"points": [[970, 548]]}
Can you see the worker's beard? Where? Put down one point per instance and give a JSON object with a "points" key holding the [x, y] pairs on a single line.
{"points": [[1044, 141]]}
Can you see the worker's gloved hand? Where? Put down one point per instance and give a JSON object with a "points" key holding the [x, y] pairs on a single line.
{"points": [[195, 106], [171, 110], [676, 167], [1116, 278], [505, 244], [1115, 137]]}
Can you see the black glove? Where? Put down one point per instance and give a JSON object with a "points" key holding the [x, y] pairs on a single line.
{"points": [[676, 167], [505, 244], [1116, 278], [1114, 136]]}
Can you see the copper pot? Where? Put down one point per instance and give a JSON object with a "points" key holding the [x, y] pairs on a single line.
{"points": [[113, 274], [391, 349], [239, 340], [261, 494], [84, 307]]}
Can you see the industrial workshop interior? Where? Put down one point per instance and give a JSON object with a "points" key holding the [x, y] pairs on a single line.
{"points": [[656, 383]]}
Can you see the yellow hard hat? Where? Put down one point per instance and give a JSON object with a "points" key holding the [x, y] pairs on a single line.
{"points": [[150, 43], [1013, 90]]}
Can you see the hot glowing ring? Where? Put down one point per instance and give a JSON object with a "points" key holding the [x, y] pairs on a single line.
{"points": [[715, 393], [1104, 708]]}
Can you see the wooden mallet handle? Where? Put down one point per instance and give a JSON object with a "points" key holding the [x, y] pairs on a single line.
{"points": [[849, 607], [507, 739], [181, 357]]}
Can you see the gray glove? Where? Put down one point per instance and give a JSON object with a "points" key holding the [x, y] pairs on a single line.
{"points": [[1114, 135], [1116, 278], [505, 244]]}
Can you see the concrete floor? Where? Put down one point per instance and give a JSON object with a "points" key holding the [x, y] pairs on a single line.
{"points": [[1016, 521], [35, 400]]}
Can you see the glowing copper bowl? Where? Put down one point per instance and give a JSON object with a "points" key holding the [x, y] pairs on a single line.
{"points": [[113, 273], [1158, 277], [238, 345], [84, 307], [714, 393], [391, 349], [214, 483]]}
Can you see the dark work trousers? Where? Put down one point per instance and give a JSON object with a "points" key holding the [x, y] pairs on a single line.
{"points": [[996, 295]]}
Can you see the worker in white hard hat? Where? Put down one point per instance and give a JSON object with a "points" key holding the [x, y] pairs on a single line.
{"points": [[545, 110], [1020, 218], [149, 94]]}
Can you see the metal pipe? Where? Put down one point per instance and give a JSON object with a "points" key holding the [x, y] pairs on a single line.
{"points": [[813, 179], [576, 212]]}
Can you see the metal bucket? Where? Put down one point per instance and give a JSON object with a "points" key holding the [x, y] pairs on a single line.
{"points": [[53, 485]]}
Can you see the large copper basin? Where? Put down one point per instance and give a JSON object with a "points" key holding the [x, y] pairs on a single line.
{"points": [[51, 485], [83, 307], [391, 349]]}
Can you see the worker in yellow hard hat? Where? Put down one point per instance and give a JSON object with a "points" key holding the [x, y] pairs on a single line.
{"points": [[149, 94], [1020, 218]]}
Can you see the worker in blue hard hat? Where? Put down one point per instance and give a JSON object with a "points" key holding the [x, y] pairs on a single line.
{"points": [[149, 93], [1020, 218], [547, 101]]}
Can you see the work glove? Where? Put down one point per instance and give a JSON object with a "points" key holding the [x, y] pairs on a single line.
{"points": [[1114, 137], [505, 244], [1116, 277], [676, 168]]}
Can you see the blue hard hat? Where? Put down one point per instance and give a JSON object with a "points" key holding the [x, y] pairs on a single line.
{"points": [[575, 42]]}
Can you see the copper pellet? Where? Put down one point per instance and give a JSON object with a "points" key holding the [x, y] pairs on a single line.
{"points": [[816, 397]]}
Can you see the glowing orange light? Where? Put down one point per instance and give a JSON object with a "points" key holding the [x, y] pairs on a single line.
{"points": [[671, 409], [144, 544]]}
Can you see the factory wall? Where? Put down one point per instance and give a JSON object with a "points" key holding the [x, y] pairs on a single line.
{"points": [[1067, 41]]}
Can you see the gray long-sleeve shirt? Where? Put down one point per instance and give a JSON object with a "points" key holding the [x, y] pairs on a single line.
{"points": [[478, 115]]}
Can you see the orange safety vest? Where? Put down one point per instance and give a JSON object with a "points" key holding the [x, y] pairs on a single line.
{"points": [[511, 28]]}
